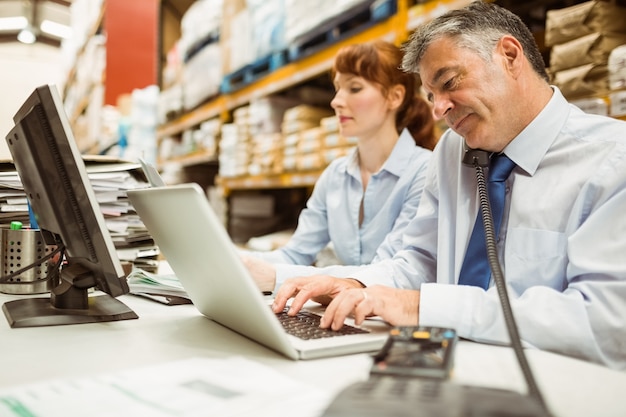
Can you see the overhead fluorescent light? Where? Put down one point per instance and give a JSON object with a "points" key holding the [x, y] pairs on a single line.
{"points": [[13, 23], [56, 29], [26, 35]]}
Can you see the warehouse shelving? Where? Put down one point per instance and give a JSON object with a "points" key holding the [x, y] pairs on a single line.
{"points": [[395, 28], [124, 68]]}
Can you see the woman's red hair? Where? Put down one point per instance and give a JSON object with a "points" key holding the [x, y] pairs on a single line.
{"points": [[379, 62]]}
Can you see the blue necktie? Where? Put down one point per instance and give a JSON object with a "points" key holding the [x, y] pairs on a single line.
{"points": [[475, 269]]}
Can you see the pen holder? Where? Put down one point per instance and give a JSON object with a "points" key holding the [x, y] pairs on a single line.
{"points": [[20, 248]]}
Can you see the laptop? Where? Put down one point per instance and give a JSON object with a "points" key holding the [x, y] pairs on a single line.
{"points": [[201, 254]]}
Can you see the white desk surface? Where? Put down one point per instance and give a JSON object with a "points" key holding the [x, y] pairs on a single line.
{"points": [[168, 333]]}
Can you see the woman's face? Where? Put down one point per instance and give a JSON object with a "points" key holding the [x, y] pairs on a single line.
{"points": [[360, 106]]}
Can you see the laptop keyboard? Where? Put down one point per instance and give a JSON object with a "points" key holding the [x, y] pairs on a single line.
{"points": [[306, 325]]}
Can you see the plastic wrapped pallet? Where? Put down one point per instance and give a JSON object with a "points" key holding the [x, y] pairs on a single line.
{"points": [[267, 22], [201, 20], [235, 36], [564, 25], [170, 103], [173, 68], [83, 16], [202, 75], [303, 16]]}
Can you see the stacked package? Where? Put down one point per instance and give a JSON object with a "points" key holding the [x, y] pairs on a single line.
{"points": [[234, 154], [267, 22], [309, 149], [302, 17], [296, 122], [582, 37], [266, 117], [201, 51], [170, 104], [251, 30]]}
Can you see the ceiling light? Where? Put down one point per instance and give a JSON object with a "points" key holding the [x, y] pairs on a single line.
{"points": [[26, 35], [56, 29], [13, 23]]}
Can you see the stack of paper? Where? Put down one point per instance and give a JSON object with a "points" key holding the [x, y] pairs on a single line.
{"points": [[164, 288], [110, 179]]}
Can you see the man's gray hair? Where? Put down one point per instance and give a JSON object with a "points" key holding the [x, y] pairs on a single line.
{"points": [[477, 27]]}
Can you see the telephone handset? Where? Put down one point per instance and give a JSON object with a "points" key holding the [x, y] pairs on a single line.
{"points": [[473, 157]]}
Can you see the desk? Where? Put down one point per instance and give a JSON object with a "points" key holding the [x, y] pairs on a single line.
{"points": [[168, 333]]}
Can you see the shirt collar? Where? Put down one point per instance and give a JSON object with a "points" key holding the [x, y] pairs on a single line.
{"points": [[397, 161], [529, 147]]}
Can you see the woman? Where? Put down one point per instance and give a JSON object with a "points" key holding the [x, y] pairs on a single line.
{"points": [[362, 202]]}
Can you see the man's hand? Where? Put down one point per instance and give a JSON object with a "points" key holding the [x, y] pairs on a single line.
{"points": [[397, 307], [320, 288], [263, 273]]}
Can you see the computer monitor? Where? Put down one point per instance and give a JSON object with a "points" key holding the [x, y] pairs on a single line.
{"points": [[64, 205]]}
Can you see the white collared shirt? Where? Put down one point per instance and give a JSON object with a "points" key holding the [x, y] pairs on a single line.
{"points": [[332, 212], [562, 247]]}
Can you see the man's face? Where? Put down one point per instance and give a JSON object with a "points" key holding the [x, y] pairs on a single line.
{"points": [[472, 95]]}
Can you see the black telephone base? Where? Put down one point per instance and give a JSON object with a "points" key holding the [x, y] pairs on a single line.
{"points": [[422, 397]]}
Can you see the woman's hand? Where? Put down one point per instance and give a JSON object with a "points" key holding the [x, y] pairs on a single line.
{"points": [[263, 272]]}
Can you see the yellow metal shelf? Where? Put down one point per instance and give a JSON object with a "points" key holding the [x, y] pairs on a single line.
{"points": [[291, 74], [195, 158], [394, 29], [284, 180]]}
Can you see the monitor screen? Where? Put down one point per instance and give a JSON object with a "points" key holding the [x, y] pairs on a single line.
{"points": [[64, 205]]}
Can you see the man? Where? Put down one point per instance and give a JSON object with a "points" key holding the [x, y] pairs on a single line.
{"points": [[562, 238]]}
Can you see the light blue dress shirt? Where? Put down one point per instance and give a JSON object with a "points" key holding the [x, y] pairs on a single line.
{"points": [[562, 246], [332, 212]]}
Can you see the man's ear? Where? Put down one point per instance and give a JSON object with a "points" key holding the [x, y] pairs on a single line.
{"points": [[396, 96], [513, 54]]}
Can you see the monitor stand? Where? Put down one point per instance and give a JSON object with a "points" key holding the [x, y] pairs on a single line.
{"points": [[38, 312], [69, 303]]}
